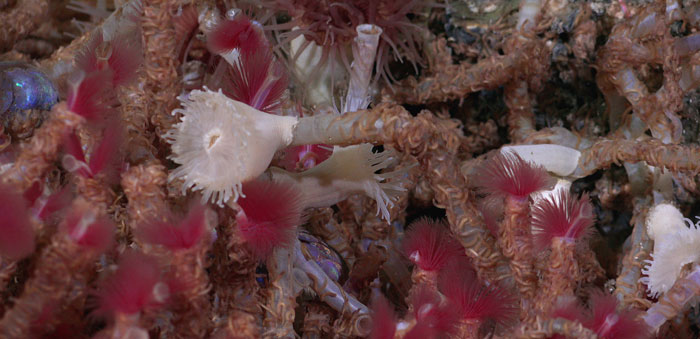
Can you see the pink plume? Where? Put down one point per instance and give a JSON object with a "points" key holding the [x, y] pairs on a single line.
{"points": [[509, 174], [561, 215], [475, 300], [430, 245], [609, 323], [125, 60], [96, 235], [270, 215], [237, 33], [107, 151], [176, 235], [383, 320], [17, 240], [257, 79], [304, 157], [53, 203], [133, 287], [432, 315], [33, 192], [91, 94]]}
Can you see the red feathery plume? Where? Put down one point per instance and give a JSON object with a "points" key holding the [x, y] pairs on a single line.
{"points": [[608, 323], [432, 317], [569, 308], [103, 158], [256, 79], [475, 300], [270, 215], [430, 245], [304, 157], [91, 95], [17, 240], [604, 318], [561, 215], [176, 235], [125, 59], [53, 203], [383, 320], [33, 193], [238, 33], [101, 68], [93, 234], [509, 174], [121, 55], [135, 286]]}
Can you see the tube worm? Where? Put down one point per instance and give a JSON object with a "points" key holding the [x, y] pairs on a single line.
{"points": [[332, 294], [317, 321], [458, 80], [130, 294], [675, 300], [364, 51], [148, 211], [160, 61], [521, 118], [143, 186], [286, 284], [559, 221], [325, 226], [134, 112], [82, 237], [430, 246], [181, 246], [120, 21], [627, 288], [509, 177], [548, 327], [605, 152], [233, 273]]}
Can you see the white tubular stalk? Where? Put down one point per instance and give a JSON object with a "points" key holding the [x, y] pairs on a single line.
{"points": [[557, 159], [364, 51], [332, 294], [673, 302], [221, 143], [528, 11]]}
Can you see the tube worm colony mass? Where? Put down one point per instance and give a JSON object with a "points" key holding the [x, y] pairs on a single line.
{"points": [[382, 169]]}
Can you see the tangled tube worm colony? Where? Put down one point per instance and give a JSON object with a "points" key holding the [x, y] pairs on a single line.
{"points": [[349, 168]]}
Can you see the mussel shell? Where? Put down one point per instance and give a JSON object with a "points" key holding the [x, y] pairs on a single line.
{"points": [[327, 258], [25, 87]]}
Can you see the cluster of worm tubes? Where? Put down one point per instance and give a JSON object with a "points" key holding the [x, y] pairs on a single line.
{"points": [[614, 80]]}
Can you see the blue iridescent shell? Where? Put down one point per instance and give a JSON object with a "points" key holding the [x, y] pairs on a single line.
{"points": [[24, 87]]}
